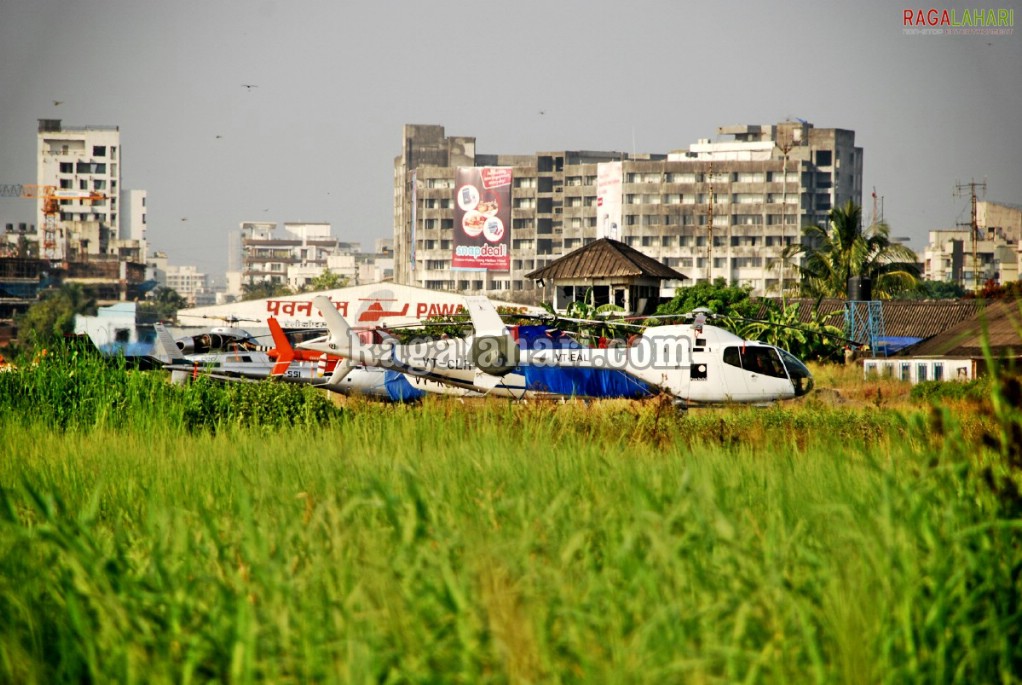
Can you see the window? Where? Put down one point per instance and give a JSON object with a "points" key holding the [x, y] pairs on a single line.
{"points": [[99, 150], [824, 158], [921, 372], [90, 168], [938, 371], [67, 168], [763, 360]]}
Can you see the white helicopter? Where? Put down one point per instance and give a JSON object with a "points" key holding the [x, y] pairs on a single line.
{"points": [[694, 363]]}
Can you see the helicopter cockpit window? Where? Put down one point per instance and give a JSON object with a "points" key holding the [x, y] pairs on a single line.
{"points": [[731, 357], [762, 360]]}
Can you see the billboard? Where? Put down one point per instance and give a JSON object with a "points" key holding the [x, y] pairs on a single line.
{"points": [[482, 219], [608, 200]]}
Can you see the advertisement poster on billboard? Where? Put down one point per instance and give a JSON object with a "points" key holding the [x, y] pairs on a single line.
{"points": [[482, 219], [608, 200]]}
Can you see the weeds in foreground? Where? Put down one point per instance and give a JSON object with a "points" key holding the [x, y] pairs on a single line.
{"points": [[598, 542]]}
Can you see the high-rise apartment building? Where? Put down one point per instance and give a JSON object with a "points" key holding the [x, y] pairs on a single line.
{"points": [[723, 209], [82, 164]]}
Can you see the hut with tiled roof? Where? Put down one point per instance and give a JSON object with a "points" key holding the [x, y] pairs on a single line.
{"points": [[607, 272]]}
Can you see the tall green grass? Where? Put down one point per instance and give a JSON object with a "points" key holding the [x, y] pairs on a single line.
{"points": [[495, 543]]}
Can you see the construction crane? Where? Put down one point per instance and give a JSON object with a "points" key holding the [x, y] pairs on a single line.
{"points": [[52, 197]]}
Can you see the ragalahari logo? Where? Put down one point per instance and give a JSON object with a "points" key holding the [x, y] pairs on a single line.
{"points": [[958, 21]]}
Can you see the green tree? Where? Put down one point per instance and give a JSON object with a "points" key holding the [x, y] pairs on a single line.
{"points": [[53, 316], [935, 290], [263, 289], [162, 304], [833, 255], [718, 297], [327, 280]]}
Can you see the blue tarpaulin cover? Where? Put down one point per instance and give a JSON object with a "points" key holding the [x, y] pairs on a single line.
{"points": [[399, 389], [571, 380]]}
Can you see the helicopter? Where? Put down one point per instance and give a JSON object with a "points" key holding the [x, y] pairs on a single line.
{"points": [[695, 363], [338, 374]]}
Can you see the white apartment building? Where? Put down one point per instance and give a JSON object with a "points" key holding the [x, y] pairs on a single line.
{"points": [[717, 209], [958, 255], [82, 164], [307, 250], [188, 282]]}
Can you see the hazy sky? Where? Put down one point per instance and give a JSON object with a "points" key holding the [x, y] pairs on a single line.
{"points": [[316, 139]]}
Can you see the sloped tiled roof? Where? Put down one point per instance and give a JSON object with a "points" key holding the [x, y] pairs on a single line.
{"points": [[902, 318], [604, 258], [1002, 322]]}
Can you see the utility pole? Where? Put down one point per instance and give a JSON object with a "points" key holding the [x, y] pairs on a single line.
{"points": [[785, 143], [973, 227], [709, 232]]}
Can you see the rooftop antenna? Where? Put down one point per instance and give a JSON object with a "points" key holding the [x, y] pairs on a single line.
{"points": [[974, 228]]}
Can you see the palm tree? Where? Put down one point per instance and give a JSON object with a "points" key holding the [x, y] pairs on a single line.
{"points": [[833, 255], [263, 289]]}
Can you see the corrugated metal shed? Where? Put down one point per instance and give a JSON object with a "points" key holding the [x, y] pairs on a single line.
{"points": [[1000, 321], [902, 318], [604, 258]]}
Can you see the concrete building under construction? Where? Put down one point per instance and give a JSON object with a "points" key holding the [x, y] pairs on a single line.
{"points": [[87, 229]]}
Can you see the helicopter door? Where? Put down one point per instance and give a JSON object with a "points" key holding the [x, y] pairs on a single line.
{"points": [[734, 383], [765, 375]]}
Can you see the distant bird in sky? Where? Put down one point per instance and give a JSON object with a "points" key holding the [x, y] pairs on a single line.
{"points": [[57, 103], [219, 136], [250, 86], [542, 112]]}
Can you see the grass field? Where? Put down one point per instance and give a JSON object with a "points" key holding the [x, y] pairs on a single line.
{"points": [[252, 533]]}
